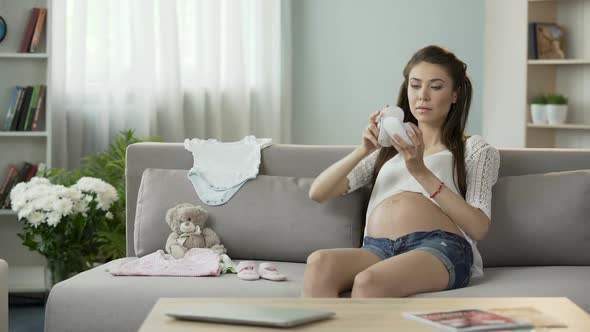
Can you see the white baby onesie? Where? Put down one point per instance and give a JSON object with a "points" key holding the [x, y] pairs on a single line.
{"points": [[221, 168]]}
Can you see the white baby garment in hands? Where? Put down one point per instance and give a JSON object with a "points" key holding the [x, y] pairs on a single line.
{"points": [[221, 168]]}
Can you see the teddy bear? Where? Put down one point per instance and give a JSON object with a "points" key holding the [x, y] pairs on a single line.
{"points": [[188, 231]]}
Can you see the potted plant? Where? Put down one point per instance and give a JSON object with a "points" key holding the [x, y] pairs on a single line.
{"points": [[61, 222], [556, 109], [100, 234], [538, 110]]}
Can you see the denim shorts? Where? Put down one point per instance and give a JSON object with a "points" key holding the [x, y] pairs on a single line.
{"points": [[453, 250]]}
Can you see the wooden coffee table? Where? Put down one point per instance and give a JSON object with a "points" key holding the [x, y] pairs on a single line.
{"points": [[364, 314]]}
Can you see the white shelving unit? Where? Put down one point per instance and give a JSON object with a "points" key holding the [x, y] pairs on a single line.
{"points": [[6, 212], [24, 55], [26, 268], [23, 133], [559, 62], [511, 79], [562, 126]]}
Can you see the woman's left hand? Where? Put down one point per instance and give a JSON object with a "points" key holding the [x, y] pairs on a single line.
{"points": [[412, 154]]}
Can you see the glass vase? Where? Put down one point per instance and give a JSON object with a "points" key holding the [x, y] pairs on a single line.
{"points": [[60, 270]]}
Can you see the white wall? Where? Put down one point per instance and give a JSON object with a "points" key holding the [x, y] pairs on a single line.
{"points": [[348, 57], [505, 73]]}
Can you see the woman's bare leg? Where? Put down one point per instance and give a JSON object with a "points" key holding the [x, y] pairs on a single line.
{"points": [[329, 272], [410, 273]]}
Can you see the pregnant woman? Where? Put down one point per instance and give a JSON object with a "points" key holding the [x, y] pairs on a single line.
{"points": [[430, 200]]}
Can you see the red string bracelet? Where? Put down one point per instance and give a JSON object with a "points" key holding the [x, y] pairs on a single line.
{"points": [[438, 190]]}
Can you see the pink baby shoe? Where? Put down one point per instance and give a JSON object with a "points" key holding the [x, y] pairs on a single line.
{"points": [[269, 271], [247, 270]]}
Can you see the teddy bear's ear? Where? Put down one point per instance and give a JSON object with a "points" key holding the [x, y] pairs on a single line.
{"points": [[172, 215], [203, 214]]}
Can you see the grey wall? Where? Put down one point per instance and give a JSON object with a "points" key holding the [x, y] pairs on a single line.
{"points": [[348, 57]]}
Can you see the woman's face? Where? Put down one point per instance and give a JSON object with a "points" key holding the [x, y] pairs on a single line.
{"points": [[430, 93]]}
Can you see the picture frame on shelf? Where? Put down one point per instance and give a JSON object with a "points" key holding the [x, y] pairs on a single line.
{"points": [[549, 41]]}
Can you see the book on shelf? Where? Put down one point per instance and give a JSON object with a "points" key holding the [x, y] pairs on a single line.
{"points": [[26, 41], [13, 104], [11, 114], [22, 112], [533, 41], [34, 31], [4, 190], [39, 25], [32, 172], [37, 122], [467, 320], [26, 109], [31, 108], [12, 181], [13, 177], [18, 109], [23, 172]]}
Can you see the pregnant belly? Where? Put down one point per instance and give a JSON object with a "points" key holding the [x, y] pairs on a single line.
{"points": [[405, 213]]}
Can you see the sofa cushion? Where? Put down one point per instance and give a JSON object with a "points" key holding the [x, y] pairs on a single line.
{"points": [[540, 219], [270, 217]]}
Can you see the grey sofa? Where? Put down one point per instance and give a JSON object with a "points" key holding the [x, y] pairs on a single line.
{"points": [[539, 243]]}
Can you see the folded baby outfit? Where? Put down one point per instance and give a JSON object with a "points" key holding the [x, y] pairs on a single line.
{"points": [[220, 169], [196, 262]]}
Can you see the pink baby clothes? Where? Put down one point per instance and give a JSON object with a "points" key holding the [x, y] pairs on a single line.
{"points": [[195, 263]]}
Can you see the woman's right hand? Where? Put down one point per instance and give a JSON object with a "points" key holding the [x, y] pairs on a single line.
{"points": [[369, 142]]}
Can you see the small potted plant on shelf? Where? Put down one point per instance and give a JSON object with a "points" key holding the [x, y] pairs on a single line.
{"points": [[556, 109], [539, 110]]}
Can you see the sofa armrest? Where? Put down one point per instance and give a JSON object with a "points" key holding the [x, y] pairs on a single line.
{"points": [[3, 296]]}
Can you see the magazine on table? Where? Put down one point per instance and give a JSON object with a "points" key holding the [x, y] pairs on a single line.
{"points": [[530, 315], [468, 320]]}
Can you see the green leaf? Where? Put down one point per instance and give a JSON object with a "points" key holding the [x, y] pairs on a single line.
{"points": [[556, 99], [539, 100]]}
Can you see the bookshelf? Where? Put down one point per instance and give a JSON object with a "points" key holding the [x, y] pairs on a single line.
{"points": [[27, 268], [24, 56], [511, 79]]}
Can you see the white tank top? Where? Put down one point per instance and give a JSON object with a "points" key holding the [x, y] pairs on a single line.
{"points": [[394, 178]]}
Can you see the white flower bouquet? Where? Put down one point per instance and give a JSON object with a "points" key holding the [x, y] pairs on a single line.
{"points": [[61, 222]]}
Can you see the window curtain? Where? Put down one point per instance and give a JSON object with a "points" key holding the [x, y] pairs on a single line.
{"points": [[172, 68]]}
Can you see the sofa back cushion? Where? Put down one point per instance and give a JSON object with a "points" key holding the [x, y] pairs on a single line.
{"points": [[539, 219], [310, 160], [269, 218]]}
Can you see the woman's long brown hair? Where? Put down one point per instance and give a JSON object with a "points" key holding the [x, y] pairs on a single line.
{"points": [[454, 126]]}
